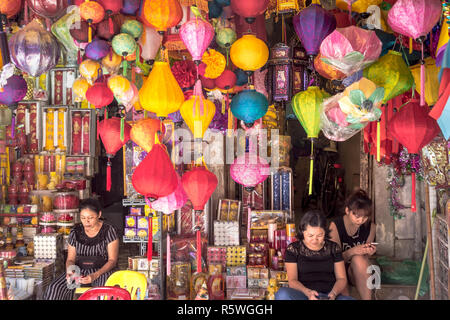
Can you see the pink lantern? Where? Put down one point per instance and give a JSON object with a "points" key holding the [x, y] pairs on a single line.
{"points": [[249, 170], [350, 49], [172, 202], [196, 35], [150, 42]]}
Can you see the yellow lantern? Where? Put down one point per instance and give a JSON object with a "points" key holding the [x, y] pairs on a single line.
{"points": [[119, 85], [198, 112], [215, 63], [90, 70], [161, 93], [359, 6], [111, 62], [249, 53], [79, 87], [431, 80]]}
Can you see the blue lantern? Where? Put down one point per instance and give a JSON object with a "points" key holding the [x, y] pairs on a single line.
{"points": [[223, 3], [249, 106], [215, 10], [242, 77]]}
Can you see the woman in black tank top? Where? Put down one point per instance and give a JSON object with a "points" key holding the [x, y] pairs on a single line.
{"points": [[355, 233]]}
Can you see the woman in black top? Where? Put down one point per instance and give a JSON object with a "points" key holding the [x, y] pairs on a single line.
{"points": [[314, 264], [355, 233], [93, 248]]}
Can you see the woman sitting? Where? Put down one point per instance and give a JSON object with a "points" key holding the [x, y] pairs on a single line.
{"points": [[93, 247], [314, 264], [355, 232]]}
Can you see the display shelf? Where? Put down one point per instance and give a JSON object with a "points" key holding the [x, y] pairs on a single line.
{"points": [[136, 202], [15, 226], [137, 240], [19, 214]]}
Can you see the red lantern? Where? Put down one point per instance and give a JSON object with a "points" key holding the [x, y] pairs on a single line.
{"points": [[111, 6], [48, 8], [10, 7], [109, 130], [143, 132], [249, 9], [99, 95], [155, 176], [413, 128], [226, 80]]}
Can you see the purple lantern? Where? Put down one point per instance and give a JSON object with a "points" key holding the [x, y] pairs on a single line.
{"points": [[97, 49], [130, 7], [12, 92], [312, 25]]}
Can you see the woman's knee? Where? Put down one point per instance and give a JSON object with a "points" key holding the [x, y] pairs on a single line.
{"points": [[359, 263], [283, 294]]}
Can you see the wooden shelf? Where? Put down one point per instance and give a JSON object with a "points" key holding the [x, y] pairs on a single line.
{"points": [[19, 214], [15, 226]]}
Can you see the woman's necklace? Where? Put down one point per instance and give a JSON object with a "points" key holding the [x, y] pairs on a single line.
{"points": [[354, 232]]}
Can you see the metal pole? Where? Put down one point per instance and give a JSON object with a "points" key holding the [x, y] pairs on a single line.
{"points": [[430, 243]]}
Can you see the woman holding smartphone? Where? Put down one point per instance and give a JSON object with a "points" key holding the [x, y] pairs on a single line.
{"points": [[355, 233]]}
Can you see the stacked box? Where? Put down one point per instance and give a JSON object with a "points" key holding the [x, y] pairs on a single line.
{"points": [[236, 277], [258, 277], [236, 256], [226, 233], [216, 256]]}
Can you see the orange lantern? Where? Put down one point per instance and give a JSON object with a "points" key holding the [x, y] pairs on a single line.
{"points": [[143, 133], [161, 14], [92, 12], [10, 7]]}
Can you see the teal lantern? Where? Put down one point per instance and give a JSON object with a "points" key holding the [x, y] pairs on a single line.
{"points": [[225, 37], [249, 106], [132, 27], [124, 45]]}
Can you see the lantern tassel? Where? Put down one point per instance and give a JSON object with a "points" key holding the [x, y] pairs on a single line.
{"points": [[249, 219], [422, 80], [13, 125], [125, 67], [311, 167], [150, 239], [106, 114], [410, 45], [90, 33], [111, 26], [169, 267], [378, 141], [199, 251], [413, 192], [122, 128], [108, 175]]}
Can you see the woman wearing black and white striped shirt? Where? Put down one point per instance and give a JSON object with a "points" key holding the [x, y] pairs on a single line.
{"points": [[93, 246]]}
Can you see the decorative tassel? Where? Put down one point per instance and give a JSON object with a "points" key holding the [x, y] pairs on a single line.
{"points": [[150, 239], [311, 167], [410, 45], [230, 120], [98, 128], [422, 80], [106, 114], [378, 141], [108, 175], [90, 33], [111, 26], [413, 192], [13, 125], [199, 251], [249, 219], [138, 54], [125, 67], [122, 127], [169, 266], [79, 56]]}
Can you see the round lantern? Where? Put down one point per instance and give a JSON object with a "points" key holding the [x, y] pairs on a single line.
{"points": [[80, 87], [155, 176], [123, 44], [111, 7], [172, 202], [162, 14], [227, 80], [90, 70], [249, 53], [161, 94], [110, 134], [213, 64], [225, 37], [97, 49], [103, 29], [10, 7], [130, 7], [249, 9], [249, 106], [79, 30], [111, 63], [99, 95], [198, 112], [249, 170], [144, 131], [119, 85], [150, 42], [133, 28], [33, 49], [196, 35], [48, 8], [199, 184], [208, 83], [92, 12]]}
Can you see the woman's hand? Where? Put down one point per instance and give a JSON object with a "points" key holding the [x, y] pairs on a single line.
{"points": [[312, 294], [371, 249], [361, 250], [89, 278], [332, 295]]}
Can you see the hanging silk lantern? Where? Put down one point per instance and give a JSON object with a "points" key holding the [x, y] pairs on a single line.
{"points": [[161, 93], [150, 42], [307, 106], [214, 63], [109, 131], [124, 45], [199, 184], [185, 73], [97, 49], [225, 37], [326, 70], [92, 12], [414, 129], [132, 27], [198, 112], [90, 70], [48, 8], [103, 29], [130, 7], [155, 176], [144, 131], [249, 53], [196, 35], [61, 30], [249, 106], [162, 14], [172, 202], [431, 80], [249, 170], [350, 49], [226, 81], [119, 85], [79, 30], [12, 92], [111, 63], [312, 25], [359, 6], [10, 7], [249, 9], [79, 88], [99, 95], [33, 49], [111, 7], [391, 73]]}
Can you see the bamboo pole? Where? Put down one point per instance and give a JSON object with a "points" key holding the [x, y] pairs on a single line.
{"points": [[430, 243]]}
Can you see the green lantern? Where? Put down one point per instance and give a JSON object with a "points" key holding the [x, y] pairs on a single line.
{"points": [[307, 106], [124, 45]]}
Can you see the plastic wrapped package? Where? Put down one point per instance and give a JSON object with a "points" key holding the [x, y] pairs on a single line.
{"points": [[66, 200], [184, 249]]}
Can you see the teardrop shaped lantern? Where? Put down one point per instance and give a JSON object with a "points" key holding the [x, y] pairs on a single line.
{"points": [[249, 9], [198, 112], [155, 176], [172, 202], [109, 131], [196, 35], [199, 184], [249, 53], [161, 93], [150, 42], [48, 8], [162, 14], [99, 95], [249, 106], [249, 170], [144, 131], [119, 85], [33, 49]]}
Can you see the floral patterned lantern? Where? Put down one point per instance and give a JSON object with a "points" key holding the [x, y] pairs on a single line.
{"points": [[249, 170]]}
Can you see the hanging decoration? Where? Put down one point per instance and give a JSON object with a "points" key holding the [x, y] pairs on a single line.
{"points": [[92, 12], [213, 64], [124, 45], [97, 49], [111, 7], [161, 14], [249, 106], [48, 8], [197, 35], [249, 170], [150, 42], [143, 133], [326, 70], [249, 9], [130, 7], [90, 70], [249, 53], [431, 80], [61, 30], [10, 8], [172, 202], [13, 91], [80, 87], [103, 28]]}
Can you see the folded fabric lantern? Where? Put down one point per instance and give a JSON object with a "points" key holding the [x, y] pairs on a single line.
{"points": [[33, 49], [249, 170], [198, 112], [61, 30], [249, 106], [196, 35], [48, 8], [359, 6], [10, 7], [249, 53], [161, 14], [109, 131], [97, 49], [90, 70], [92, 12], [312, 25], [431, 80], [79, 88], [213, 64], [150, 42], [414, 129], [249, 9], [391, 73], [143, 133], [155, 176], [307, 106], [111, 7], [350, 49], [161, 93], [172, 202]]}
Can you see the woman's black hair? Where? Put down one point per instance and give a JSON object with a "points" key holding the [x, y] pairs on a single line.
{"points": [[359, 202], [313, 218], [91, 204]]}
